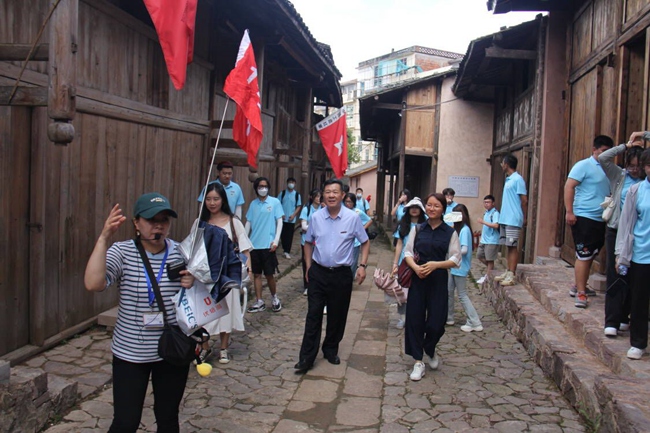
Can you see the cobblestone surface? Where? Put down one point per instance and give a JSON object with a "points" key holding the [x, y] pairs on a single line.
{"points": [[486, 381]]}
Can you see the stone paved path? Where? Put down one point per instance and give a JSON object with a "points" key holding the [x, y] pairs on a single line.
{"points": [[486, 381]]}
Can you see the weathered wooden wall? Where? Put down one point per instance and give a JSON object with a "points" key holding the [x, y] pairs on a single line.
{"points": [[135, 134], [608, 79], [420, 124]]}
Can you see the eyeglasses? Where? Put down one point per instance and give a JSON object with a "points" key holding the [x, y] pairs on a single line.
{"points": [[633, 168]]}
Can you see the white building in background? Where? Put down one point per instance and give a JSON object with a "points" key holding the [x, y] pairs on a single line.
{"points": [[384, 72]]}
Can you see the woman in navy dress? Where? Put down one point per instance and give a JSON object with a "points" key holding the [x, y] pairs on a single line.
{"points": [[438, 249]]}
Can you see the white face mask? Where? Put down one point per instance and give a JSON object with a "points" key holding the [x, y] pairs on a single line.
{"points": [[263, 192], [291, 185], [359, 196]]}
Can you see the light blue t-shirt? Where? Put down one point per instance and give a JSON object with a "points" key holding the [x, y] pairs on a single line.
{"points": [[511, 212], [629, 181], [290, 202], [364, 220], [592, 190], [263, 216], [465, 238], [490, 236], [399, 214], [641, 245], [306, 214], [404, 242], [362, 205], [233, 192], [449, 209]]}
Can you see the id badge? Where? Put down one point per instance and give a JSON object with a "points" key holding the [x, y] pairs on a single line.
{"points": [[153, 320]]}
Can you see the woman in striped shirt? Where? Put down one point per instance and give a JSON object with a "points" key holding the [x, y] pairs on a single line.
{"points": [[139, 320]]}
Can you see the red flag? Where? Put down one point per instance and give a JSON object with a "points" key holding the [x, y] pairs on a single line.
{"points": [[334, 136], [241, 86], [174, 21]]}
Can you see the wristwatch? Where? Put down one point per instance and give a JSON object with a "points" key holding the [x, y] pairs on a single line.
{"points": [[363, 266]]}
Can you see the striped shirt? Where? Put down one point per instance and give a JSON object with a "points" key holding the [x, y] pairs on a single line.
{"points": [[132, 341]]}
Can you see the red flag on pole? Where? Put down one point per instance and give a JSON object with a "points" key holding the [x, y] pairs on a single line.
{"points": [[174, 21], [241, 86], [334, 136]]}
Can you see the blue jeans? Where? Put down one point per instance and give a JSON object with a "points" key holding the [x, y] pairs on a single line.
{"points": [[460, 283]]}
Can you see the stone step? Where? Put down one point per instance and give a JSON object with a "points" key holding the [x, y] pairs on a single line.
{"points": [[590, 386], [63, 392], [550, 284]]}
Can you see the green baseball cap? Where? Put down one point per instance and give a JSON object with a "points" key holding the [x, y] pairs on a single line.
{"points": [[148, 205]]}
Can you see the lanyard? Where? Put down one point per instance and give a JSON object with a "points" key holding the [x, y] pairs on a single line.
{"points": [[152, 296]]}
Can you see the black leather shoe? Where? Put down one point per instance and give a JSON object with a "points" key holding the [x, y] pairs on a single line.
{"points": [[302, 367], [334, 360]]}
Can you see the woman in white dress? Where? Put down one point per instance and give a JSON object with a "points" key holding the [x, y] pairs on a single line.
{"points": [[217, 212]]}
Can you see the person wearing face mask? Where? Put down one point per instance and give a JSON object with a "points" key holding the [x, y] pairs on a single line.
{"points": [[291, 205], [263, 227], [361, 204]]}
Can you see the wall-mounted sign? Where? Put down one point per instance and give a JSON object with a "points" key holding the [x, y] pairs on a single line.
{"points": [[465, 186]]}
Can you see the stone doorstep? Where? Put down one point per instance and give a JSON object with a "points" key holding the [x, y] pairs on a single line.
{"points": [[35, 392], [548, 284], [582, 378]]}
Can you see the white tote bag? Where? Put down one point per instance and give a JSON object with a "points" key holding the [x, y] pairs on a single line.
{"points": [[195, 307]]}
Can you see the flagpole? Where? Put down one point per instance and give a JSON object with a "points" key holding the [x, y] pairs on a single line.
{"points": [[214, 154]]}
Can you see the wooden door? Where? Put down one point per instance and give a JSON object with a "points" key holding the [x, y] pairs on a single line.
{"points": [[14, 231]]}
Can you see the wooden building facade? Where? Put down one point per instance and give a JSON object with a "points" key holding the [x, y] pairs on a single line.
{"points": [[502, 69], [425, 135], [133, 133], [589, 69]]}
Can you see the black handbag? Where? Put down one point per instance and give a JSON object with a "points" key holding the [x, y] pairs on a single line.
{"points": [[174, 346]]}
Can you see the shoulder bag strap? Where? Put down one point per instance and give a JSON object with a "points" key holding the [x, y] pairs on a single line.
{"points": [[152, 278]]}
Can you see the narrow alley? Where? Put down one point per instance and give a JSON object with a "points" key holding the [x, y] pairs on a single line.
{"points": [[486, 381]]}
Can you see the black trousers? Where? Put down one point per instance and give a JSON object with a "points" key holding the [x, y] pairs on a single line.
{"points": [[286, 237], [331, 288], [304, 268], [640, 292], [617, 296], [426, 314], [130, 381]]}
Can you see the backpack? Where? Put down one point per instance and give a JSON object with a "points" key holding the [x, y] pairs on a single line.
{"points": [[284, 191]]}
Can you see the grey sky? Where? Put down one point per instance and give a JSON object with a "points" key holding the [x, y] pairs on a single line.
{"points": [[359, 30]]}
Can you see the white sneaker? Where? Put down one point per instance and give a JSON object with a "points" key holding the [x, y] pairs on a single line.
{"points": [[502, 276], [449, 323], [481, 280], [400, 324], [223, 357], [624, 327], [418, 371], [305, 292], [610, 331], [434, 363], [633, 353], [325, 309], [468, 328], [287, 256], [276, 305], [509, 280]]}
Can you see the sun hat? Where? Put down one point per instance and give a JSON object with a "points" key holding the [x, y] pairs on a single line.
{"points": [[415, 201], [148, 205]]}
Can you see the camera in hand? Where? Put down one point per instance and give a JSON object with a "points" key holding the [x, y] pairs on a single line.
{"points": [[174, 270]]}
